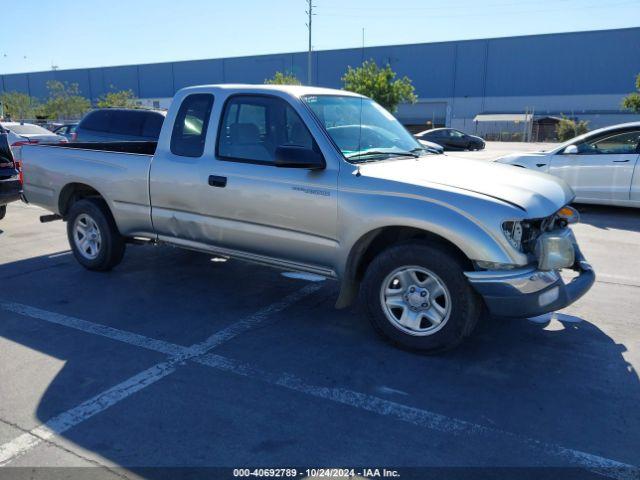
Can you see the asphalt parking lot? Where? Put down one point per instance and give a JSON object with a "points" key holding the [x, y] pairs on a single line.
{"points": [[175, 359]]}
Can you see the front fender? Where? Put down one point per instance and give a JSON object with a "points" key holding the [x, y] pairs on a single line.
{"points": [[476, 238], [471, 235]]}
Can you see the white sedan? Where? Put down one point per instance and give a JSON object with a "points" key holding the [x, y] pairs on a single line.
{"points": [[602, 166], [20, 133]]}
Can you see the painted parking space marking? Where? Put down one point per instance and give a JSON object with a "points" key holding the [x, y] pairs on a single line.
{"points": [[61, 254], [178, 355], [69, 419], [93, 328], [198, 353]]}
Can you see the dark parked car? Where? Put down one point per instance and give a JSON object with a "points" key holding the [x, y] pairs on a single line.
{"points": [[451, 139], [120, 124], [10, 185]]}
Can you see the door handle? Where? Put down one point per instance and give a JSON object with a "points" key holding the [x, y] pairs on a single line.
{"points": [[216, 181], [621, 161]]}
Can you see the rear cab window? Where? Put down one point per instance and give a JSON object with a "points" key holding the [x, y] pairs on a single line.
{"points": [[190, 127]]}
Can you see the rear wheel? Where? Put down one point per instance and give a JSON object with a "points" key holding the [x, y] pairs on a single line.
{"points": [[93, 235], [419, 299]]}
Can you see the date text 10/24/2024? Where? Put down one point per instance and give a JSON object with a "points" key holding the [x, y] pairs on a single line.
{"points": [[315, 473]]}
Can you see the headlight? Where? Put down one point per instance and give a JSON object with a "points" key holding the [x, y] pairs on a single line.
{"points": [[513, 231], [555, 250]]}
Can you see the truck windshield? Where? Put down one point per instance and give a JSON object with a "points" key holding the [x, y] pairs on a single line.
{"points": [[362, 129]]}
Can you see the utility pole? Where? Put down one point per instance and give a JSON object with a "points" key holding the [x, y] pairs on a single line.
{"points": [[310, 13]]}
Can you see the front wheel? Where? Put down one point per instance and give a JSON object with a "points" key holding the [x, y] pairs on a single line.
{"points": [[3, 211], [93, 235], [419, 299]]}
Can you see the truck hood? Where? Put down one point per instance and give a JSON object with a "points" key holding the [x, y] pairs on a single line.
{"points": [[537, 193]]}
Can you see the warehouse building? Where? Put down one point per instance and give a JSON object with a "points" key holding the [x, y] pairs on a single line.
{"points": [[484, 86]]}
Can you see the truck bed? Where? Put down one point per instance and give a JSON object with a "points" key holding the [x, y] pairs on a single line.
{"points": [[117, 171]]}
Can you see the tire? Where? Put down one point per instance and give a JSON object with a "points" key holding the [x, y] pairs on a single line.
{"points": [[435, 269], [3, 211], [91, 222]]}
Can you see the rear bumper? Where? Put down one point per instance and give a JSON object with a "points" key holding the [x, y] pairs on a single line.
{"points": [[528, 292], [10, 187]]}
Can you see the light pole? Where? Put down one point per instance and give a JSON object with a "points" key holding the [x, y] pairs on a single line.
{"points": [[310, 13]]}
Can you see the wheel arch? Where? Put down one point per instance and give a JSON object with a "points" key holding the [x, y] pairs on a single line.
{"points": [[368, 246], [72, 192]]}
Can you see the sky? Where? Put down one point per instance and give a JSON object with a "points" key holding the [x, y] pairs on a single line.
{"points": [[38, 34]]}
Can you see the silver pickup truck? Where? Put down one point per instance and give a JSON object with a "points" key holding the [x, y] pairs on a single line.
{"points": [[328, 182]]}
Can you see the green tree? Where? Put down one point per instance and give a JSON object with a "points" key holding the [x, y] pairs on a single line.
{"points": [[19, 106], [380, 84], [65, 101], [568, 129], [122, 98], [281, 78], [632, 101]]}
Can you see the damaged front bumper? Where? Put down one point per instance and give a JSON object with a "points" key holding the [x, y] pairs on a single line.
{"points": [[529, 291]]}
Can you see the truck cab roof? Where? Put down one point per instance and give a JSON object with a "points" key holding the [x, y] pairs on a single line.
{"points": [[293, 90]]}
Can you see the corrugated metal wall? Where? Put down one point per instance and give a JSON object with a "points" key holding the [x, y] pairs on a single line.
{"points": [[592, 69]]}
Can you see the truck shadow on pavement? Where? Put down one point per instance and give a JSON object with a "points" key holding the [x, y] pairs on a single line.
{"points": [[563, 382], [607, 217]]}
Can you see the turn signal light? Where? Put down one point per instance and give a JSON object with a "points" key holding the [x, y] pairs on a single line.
{"points": [[570, 214]]}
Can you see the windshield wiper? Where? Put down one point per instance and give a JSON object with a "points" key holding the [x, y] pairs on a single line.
{"points": [[381, 152]]}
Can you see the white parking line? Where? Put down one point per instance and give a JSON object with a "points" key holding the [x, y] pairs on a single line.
{"points": [[61, 254], [197, 353], [66, 420], [178, 355], [94, 328]]}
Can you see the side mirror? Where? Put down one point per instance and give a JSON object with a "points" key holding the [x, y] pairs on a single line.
{"points": [[296, 156], [570, 150]]}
